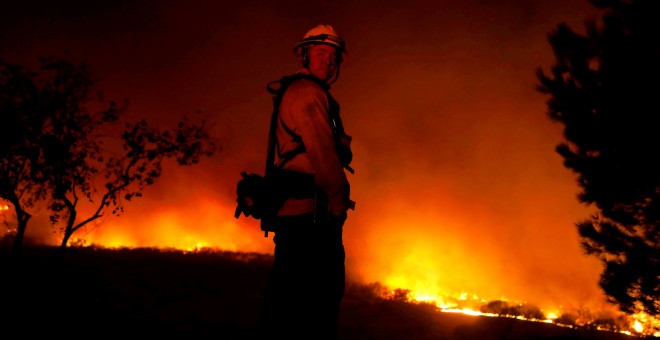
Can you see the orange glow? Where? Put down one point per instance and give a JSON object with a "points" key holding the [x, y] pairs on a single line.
{"points": [[461, 197], [644, 324], [189, 227], [439, 266]]}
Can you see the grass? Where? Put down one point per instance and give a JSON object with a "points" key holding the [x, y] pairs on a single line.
{"points": [[98, 293]]}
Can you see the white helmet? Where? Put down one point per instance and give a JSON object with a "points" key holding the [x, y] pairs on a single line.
{"points": [[321, 34]]}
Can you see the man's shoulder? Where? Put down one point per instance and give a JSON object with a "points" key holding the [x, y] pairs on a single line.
{"points": [[301, 78], [305, 82], [305, 85]]}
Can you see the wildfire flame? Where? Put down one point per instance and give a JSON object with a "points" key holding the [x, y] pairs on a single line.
{"points": [[639, 324], [415, 277]]}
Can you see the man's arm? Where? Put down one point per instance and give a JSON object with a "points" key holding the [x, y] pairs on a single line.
{"points": [[309, 111]]}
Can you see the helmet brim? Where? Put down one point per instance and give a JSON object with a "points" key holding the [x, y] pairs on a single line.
{"points": [[325, 39]]}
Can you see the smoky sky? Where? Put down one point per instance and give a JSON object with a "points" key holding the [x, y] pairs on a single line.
{"points": [[457, 184]]}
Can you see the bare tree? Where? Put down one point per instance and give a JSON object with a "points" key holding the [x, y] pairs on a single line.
{"points": [[22, 116], [126, 175], [72, 161]]}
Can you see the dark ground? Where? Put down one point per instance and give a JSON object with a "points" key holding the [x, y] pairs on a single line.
{"points": [[94, 293]]}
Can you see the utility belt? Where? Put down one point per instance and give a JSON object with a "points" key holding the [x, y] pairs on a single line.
{"points": [[262, 197], [288, 184]]}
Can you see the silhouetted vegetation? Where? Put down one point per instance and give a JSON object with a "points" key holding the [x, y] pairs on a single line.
{"points": [[603, 88], [566, 319], [151, 293], [58, 152], [507, 309]]}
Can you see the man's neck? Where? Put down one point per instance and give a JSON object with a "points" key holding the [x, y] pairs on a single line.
{"points": [[306, 72]]}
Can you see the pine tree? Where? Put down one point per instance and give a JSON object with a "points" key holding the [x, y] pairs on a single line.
{"points": [[603, 88]]}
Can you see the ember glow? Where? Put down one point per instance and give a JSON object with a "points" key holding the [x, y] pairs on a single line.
{"points": [[461, 198], [199, 225], [420, 270]]}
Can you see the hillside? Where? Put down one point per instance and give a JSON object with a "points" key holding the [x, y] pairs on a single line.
{"points": [[150, 293]]}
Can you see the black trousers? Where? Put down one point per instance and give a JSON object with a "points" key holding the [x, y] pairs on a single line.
{"points": [[307, 281]]}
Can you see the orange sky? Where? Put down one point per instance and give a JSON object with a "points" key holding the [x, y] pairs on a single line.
{"points": [[457, 184]]}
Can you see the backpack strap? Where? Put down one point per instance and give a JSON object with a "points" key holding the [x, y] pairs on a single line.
{"points": [[277, 88], [272, 141]]}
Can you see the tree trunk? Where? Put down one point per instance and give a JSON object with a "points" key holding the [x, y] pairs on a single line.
{"points": [[23, 218], [65, 239], [68, 231]]}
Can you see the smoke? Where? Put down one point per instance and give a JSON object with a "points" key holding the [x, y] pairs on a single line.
{"points": [[459, 191]]}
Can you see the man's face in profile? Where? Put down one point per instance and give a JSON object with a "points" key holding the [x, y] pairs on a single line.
{"points": [[322, 61]]}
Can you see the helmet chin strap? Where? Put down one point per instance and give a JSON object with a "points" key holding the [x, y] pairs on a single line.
{"points": [[335, 76]]}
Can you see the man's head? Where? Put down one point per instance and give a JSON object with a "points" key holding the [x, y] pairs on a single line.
{"points": [[321, 51]]}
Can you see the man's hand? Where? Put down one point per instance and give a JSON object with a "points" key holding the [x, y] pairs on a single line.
{"points": [[336, 221]]}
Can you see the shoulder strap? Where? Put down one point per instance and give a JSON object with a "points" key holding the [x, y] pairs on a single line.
{"points": [[277, 88], [277, 98]]}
